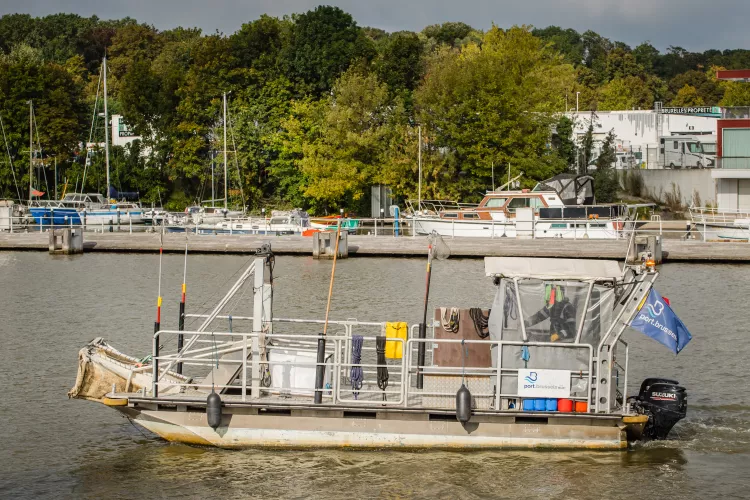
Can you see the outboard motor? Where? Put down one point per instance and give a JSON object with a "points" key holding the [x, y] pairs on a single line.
{"points": [[665, 403]]}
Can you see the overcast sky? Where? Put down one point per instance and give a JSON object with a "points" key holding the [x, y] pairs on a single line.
{"points": [[693, 24]]}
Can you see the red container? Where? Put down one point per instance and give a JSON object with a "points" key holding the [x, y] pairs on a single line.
{"points": [[565, 405], [582, 407]]}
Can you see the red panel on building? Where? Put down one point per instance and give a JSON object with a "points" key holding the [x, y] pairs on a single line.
{"points": [[737, 75], [721, 125]]}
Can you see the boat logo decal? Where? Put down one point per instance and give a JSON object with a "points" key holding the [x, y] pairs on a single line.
{"points": [[655, 309], [531, 377]]}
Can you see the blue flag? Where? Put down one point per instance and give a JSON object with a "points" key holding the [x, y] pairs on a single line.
{"points": [[657, 320]]}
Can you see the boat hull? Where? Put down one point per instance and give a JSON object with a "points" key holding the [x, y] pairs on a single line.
{"points": [[107, 217], [58, 216], [310, 428], [595, 230]]}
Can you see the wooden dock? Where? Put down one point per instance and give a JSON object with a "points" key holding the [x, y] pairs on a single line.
{"points": [[385, 246]]}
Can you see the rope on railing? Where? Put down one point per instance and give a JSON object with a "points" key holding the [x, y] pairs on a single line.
{"points": [[382, 364], [356, 374]]}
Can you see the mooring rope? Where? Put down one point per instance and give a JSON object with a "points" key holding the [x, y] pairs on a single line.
{"points": [[481, 322], [356, 374]]}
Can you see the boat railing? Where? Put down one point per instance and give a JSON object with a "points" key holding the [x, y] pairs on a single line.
{"points": [[224, 361], [715, 215]]}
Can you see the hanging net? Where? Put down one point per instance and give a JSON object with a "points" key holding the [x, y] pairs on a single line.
{"points": [[438, 248]]}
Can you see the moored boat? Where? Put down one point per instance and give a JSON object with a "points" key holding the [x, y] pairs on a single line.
{"points": [[560, 207], [543, 366]]}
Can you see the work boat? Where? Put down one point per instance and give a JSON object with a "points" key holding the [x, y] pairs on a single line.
{"points": [[548, 368], [560, 207]]}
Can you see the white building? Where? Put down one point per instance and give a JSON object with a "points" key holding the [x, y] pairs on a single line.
{"points": [[639, 131], [121, 132]]}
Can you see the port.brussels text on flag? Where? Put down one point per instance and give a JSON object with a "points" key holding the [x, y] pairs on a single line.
{"points": [[657, 320]]}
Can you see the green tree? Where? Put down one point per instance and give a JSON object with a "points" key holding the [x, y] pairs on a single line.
{"points": [[688, 96], [323, 43], [605, 177], [492, 104], [345, 153], [400, 64], [564, 143], [452, 33], [736, 94], [567, 41], [625, 93]]}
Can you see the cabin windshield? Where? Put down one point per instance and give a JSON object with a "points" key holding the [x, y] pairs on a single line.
{"points": [[495, 202]]}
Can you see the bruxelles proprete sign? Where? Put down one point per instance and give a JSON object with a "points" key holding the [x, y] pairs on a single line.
{"points": [[692, 110]]}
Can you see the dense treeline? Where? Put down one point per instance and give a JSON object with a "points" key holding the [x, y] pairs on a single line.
{"points": [[321, 108]]}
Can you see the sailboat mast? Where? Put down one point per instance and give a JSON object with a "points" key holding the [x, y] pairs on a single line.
{"points": [[106, 125], [225, 150], [31, 148]]}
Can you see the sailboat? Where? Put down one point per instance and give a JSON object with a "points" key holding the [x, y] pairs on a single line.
{"points": [[210, 215], [46, 212], [96, 208]]}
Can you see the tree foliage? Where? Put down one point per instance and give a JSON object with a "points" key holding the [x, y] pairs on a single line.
{"points": [[320, 108]]}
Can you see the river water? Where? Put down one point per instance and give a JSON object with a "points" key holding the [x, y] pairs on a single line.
{"points": [[54, 447]]}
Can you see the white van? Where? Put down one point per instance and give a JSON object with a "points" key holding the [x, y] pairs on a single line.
{"points": [[686, 151]]}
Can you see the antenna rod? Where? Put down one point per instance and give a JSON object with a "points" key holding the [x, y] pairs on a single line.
{"points": [[31, 148], [419, 196], [181, 322], [225, 150], [320, 369], [157, 323], [106, 126]]}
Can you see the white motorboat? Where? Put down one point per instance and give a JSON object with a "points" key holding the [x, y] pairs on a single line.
{"points": [[562, 207]]}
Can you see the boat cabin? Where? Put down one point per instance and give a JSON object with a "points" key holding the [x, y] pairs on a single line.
{"points": [[500, 205]]}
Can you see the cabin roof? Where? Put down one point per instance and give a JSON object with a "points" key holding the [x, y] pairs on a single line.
{"points": [[552, 269]]}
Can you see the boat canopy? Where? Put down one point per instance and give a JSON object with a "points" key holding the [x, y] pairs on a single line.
{"points": [[552, 269], [572, 189]]}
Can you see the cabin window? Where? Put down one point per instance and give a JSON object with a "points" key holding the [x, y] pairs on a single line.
{"points": [[496, 202], [675, 145], [278, 220], [450, 216], [471, 216], [518, 203], [537, 203], [559, 225]]}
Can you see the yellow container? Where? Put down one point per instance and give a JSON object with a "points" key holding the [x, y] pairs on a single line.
{"points": [[395, 330]]}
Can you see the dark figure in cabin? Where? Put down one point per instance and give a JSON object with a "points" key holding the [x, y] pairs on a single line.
{"points": [[560, 312]]}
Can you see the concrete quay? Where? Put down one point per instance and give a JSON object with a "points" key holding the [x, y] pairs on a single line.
{"points": [[385, 246]]}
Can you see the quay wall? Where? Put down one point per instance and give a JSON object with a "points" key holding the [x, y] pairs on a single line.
{"points": [[673, 250], [690, 185]]}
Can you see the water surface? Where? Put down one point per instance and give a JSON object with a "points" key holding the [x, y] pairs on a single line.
{"points": [[54, 447]]}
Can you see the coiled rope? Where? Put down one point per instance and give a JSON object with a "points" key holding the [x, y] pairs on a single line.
{"points": [[452, 323], [356, 374], [382, 366], [481, 322]]}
